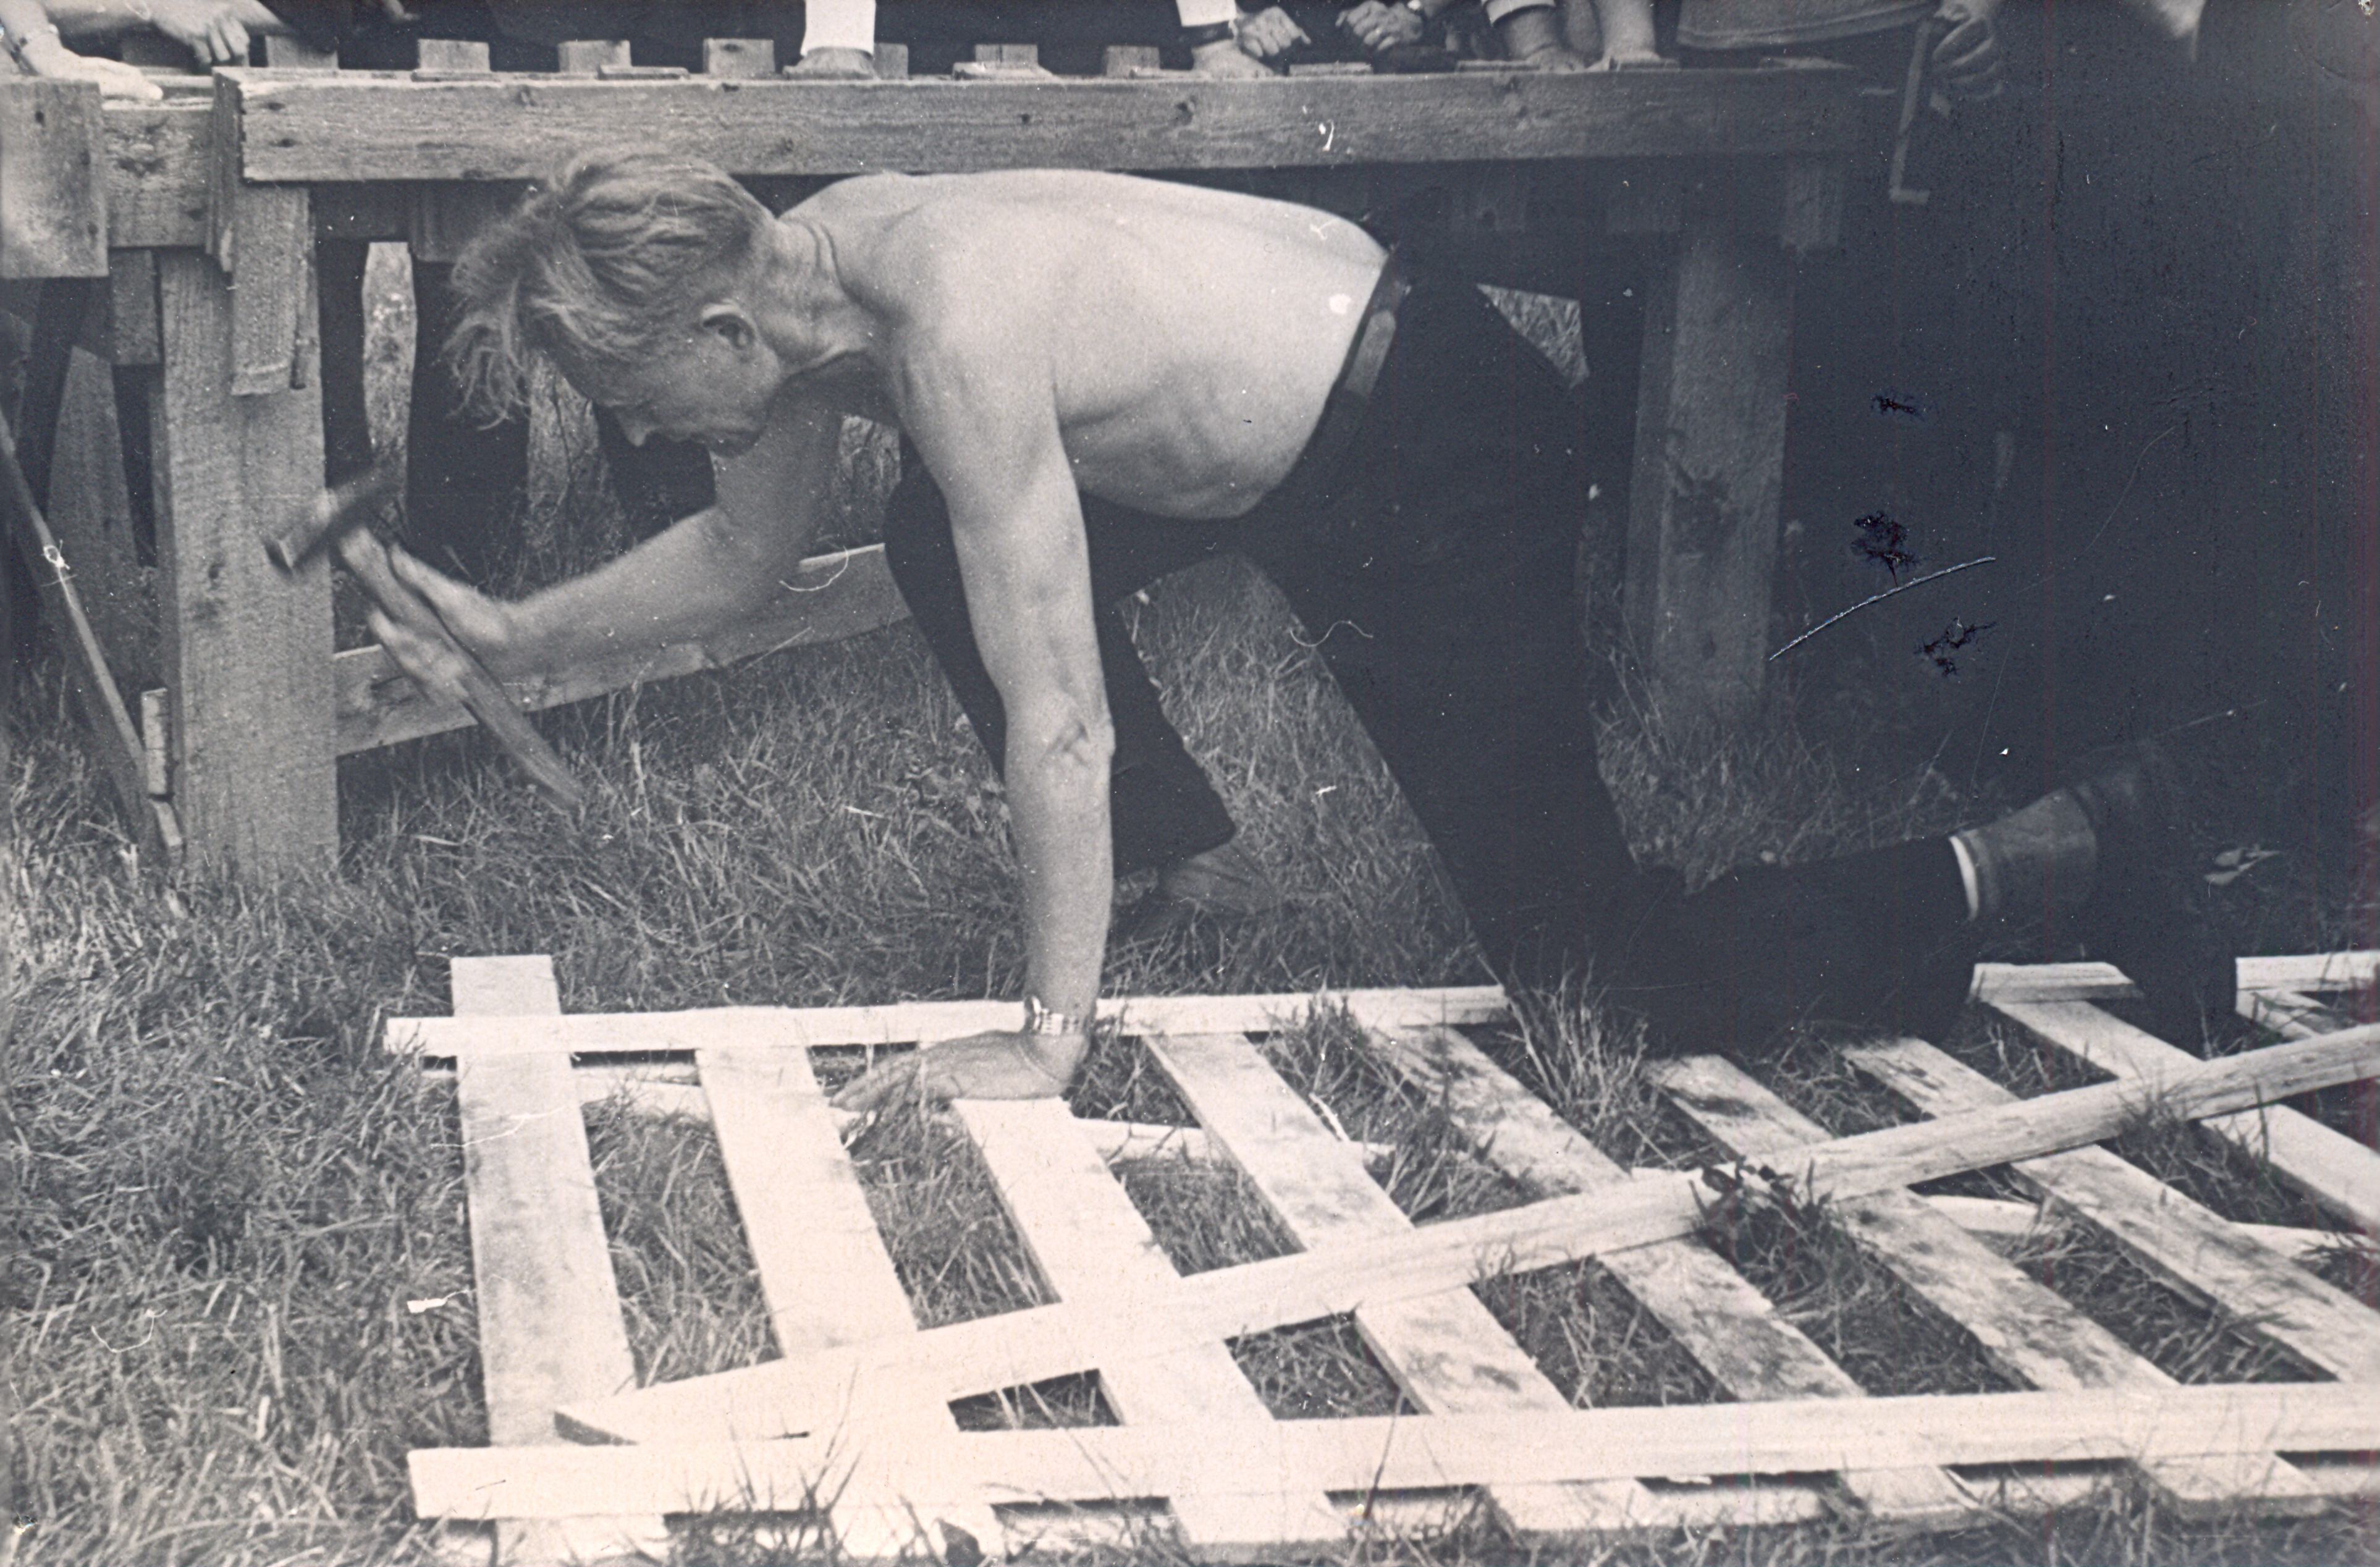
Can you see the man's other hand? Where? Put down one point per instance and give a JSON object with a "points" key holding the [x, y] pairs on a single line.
{"points": [[217, 31], [982, 1066], [1966, 60], [1271, 32], [1378, 27]]}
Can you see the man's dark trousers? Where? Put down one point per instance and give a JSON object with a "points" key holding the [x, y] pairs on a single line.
{"points": [[1433, 561]]}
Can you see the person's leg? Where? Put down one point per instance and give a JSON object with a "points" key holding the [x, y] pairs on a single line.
{"points": [[1161, 806], [463, 480], [1888, 939], [1437, 578], [656, 483]]}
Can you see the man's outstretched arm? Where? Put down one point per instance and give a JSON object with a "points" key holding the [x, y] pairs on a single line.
{"points": [[984, 419], [706, 572]]}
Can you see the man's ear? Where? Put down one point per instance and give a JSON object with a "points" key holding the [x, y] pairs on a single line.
{"points": [[733, 325]]}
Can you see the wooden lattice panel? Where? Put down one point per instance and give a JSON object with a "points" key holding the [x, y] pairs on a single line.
{"points": [[859, 1407]]}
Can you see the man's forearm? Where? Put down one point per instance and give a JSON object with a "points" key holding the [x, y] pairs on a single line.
{"points": [[680, 586], [1057, 810]]}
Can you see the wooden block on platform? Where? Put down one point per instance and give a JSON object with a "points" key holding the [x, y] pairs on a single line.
{"points": [[588, 56], [739, 57], [448, 59], [284, 51], [1007, 55], [891, 62], [1331, 67], [53, 179], [1122, 59]]}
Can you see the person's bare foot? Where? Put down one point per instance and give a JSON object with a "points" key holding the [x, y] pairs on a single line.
{"points": [[982, 1066], [834, 65]]}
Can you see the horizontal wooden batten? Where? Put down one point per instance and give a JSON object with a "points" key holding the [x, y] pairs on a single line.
{"points": [[602, 1033], [381, 125], [1409, 1452], [829, 598]]}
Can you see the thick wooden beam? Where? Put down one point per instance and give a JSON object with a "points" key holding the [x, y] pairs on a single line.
{"points": [[262, 237], [53, 183], [1710, 461], [1044, 1341], [157, 174], [247, 649], [361, 126]]}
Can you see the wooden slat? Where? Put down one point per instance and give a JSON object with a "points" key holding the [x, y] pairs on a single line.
{"points": [[438, 58], [585, 57], [2025, 1329], [905, 1022], [365, 127], [1996, 982], [550, 1326], [1054, 1340], [247, 650], [1417, 1450], [827, 598], [1448, 1352], [2191, 1248], [114, 739], [1996, 1219], [53, 187], [2332, 1168], [1715, 1315], [2289, 1014], [824, 1271], [1093, 1249]]}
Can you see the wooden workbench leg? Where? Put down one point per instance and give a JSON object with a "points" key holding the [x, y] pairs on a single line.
{"points": [[247, 651], [1710, 462]]}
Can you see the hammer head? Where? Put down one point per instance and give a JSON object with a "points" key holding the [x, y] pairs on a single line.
{"points": [[334, 512]]}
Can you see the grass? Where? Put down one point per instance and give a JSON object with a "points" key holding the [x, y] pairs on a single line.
{"points": [[236, 1280]]}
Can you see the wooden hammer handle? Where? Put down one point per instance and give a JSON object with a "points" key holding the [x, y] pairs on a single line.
{"points": [[367, 557]]}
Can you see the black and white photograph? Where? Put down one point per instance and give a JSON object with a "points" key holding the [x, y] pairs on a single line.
{"points": [[1373, 783]]}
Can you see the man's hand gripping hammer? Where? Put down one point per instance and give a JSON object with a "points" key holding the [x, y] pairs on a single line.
{"points": [[336, 524]]}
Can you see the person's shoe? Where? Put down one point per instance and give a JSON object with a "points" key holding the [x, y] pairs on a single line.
{"points": [[1222, 886], [2146, 913]]}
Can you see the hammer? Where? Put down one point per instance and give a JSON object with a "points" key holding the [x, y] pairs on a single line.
{"points": [[334, 523]]}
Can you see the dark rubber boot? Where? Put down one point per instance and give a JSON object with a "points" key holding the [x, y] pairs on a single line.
{"points": [[2146, 913]]}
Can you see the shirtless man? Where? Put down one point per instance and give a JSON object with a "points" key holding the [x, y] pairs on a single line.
{"points": [[1089, 413]]}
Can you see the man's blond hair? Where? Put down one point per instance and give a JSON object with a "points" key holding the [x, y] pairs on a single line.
{"points": [[596, 270]]}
